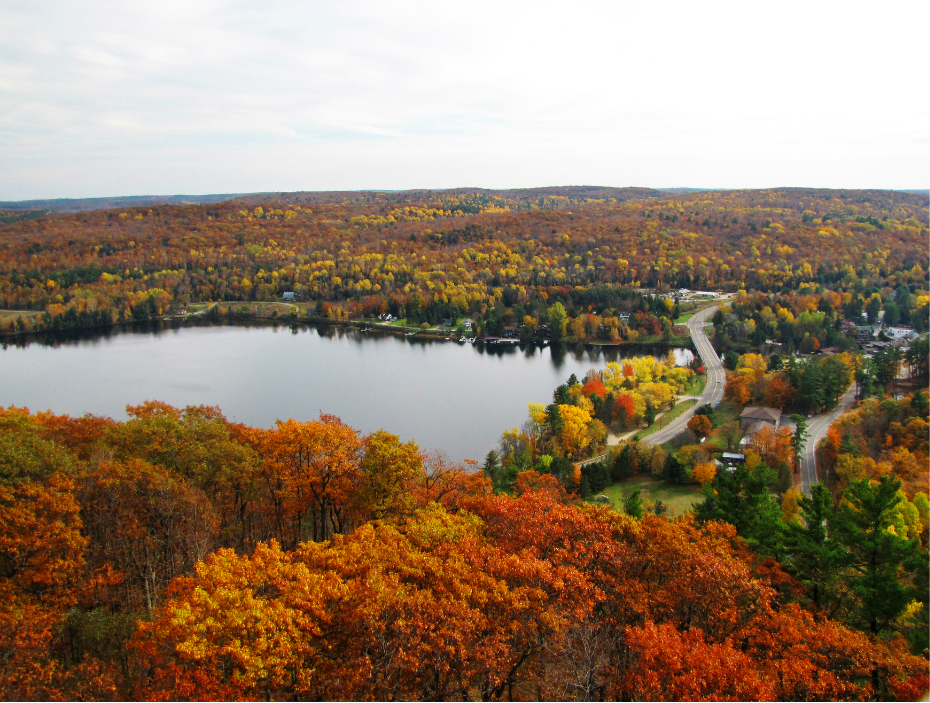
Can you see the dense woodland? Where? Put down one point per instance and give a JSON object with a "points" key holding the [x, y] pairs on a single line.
{"points": [[178, 555], [562, 262]]}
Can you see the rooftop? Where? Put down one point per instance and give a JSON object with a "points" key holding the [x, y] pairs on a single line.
{"points": [[758, 412]]}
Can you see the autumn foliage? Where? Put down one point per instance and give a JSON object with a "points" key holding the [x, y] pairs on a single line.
{"points": [[506, 257], [180, 556]]}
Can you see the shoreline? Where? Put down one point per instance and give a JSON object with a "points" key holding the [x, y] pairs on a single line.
{"points": [[17, 337]]}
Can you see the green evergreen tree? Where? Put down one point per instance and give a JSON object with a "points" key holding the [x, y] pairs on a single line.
{"points": [[743, 499], [812, 557], [624, 463], [799, 438], [633, 503], [880, 563], [864, 381], [649, 415], [887, 362], [672, 470], [810, 395], [919, 403]]}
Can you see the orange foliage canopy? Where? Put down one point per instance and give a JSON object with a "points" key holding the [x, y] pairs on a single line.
{"points": [[449, 593], [596, 386]]}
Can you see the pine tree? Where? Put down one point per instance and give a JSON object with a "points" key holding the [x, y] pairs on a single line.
{"points": [[813, 557], [879, 561]]}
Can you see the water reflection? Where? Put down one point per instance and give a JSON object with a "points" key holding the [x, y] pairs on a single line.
{"points": [[445, 395]]}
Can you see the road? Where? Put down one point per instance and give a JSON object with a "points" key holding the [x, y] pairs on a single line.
{"points": [[716, 378], [713, 392], [817, 429]]}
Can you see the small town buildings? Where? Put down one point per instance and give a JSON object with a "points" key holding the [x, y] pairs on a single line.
{"points": [[900, 332], [754, 415]]}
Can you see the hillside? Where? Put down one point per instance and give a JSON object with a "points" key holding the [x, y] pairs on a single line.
{"points": [[466, 252]]}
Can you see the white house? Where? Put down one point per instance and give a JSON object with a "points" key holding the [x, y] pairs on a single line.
{"points": [[900, 332]]}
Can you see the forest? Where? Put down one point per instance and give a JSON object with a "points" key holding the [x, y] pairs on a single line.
{"points": [[569, 263], [180, 555]]}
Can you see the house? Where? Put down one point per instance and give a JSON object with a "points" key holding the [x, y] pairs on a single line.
{"points": [[289, 295], [759, 415], [900, 332]]}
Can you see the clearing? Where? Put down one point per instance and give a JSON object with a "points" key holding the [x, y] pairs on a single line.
{"points": [[680, 499]]}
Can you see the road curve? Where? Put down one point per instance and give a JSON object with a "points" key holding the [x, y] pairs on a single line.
{"points": [[816, 431], [716, 378]]}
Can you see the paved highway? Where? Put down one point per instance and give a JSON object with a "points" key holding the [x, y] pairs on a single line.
{"points": [[713, 392], [716, 377], [817, 428]]}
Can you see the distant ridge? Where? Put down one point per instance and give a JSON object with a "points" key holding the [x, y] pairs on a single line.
{"points": [[71, 205], [40, 208], [64, 205]]}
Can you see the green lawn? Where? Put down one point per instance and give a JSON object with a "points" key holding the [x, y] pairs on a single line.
{"points": [[684, 318], [666, 418], [696, 387], [681, 499], [672, 341], [725, 412]]}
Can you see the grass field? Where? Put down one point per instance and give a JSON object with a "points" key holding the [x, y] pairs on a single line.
{"points": [[666, 418], [696, 387], [725, 412], [680, 499]]}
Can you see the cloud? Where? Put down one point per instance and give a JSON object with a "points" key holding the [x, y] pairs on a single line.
{"points": [[235, 96]]}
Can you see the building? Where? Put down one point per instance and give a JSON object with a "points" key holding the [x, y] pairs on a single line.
{"points": [[759, 415], [900, 332], [289, 295]]}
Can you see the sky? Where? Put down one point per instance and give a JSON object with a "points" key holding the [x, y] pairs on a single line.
{"points": [[215, 96]]}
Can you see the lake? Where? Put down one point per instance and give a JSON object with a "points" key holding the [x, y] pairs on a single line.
{"points": [[455, 397]]}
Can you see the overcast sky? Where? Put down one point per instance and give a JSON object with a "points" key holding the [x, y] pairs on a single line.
{"points": [[165, 96]]}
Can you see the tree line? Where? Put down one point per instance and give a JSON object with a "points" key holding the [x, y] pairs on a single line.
{"points": [[427, 256]]}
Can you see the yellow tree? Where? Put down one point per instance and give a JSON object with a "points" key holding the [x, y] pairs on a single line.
{"points": [[389, 470], [704, 473], [573, 437]]}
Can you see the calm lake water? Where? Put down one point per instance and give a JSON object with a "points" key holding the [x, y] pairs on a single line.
{"points": [[457, 398]]}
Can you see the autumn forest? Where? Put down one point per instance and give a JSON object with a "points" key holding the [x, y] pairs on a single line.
{"points": [[178, 555]]}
